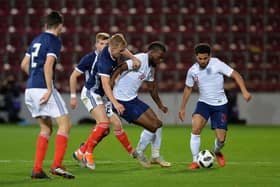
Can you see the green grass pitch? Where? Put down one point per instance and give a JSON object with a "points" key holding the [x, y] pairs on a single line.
{"points": [[252, 154]]}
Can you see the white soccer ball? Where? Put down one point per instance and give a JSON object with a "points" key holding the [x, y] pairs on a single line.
{"points": [[205, 159]]}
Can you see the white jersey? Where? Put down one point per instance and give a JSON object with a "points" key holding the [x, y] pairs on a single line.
{"points": [[127, 86], [210, 81]]}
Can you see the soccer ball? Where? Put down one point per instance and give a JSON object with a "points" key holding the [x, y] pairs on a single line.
{"points": [[205, 159]]}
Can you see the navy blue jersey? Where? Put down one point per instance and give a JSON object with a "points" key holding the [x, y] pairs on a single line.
{"points": [[105, 64], [43, 45], [86, 63]]}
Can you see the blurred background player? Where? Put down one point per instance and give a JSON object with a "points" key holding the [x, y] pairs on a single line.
{"points": [[10, 90], [100, 108], [208, 74], [43, 100], [136, 111]]}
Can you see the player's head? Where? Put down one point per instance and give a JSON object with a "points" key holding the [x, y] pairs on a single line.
{"points": [[203, 54], [117, 44], [54, 21], [101, 40], [156, 51]]}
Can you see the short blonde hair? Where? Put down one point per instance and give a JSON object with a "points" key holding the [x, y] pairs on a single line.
{"points": [[117, 41], [102, 36]]}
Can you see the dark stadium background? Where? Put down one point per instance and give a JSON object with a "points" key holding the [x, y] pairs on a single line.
{"points": [[243, 33]]}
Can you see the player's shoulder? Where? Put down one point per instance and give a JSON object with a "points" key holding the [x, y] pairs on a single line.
{"points": [[90, 56], [105, 55], [194, 67], [141, 55], [215, 60], [48, 39]]}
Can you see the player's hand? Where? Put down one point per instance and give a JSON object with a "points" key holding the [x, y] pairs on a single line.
{"points": [[45, 97], [247, 96], [73, 103], [163, 109], [119, 107], [182, 114]]}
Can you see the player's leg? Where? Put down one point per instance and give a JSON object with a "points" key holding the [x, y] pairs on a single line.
{"points": [[219, 123], [147, 120], [155, 146], [95, 105], [117, 126], [56, 108], [120, 133], [41, 148], [198, 123], [199, 120], [61, 142], [218, 145], [99, 114], [153, 138]]}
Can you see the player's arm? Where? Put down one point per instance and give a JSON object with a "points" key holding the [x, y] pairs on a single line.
{"points": [[105, 80], [136, 61], [240, 82], [48, 72], [73, 86], [185, 98], [152, 87], [25, 64], [119, 70]]}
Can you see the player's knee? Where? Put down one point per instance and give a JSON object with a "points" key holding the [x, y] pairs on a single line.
{"points": [[156, 124], [221, 139], [196, 130], [116, 125], [159, 123]]}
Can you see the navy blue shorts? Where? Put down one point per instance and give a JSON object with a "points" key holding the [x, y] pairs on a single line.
{"points": [[218, 114], [133, 109]]}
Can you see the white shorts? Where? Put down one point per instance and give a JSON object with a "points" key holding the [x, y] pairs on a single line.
{"points": [[91, 100], [55, 107]]}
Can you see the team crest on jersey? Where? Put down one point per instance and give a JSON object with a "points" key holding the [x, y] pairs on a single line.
{"points": [[141, 77]]}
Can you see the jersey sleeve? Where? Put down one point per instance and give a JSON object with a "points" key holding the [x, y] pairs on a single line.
{"points": [[189, 79], [129, 64], [224, 68], [54, 47], [84, 64], [28, 52]]}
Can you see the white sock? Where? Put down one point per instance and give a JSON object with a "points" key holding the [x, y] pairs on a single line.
{"points": [[218, 146], [195, 145], [156, 143], [145, 138]]}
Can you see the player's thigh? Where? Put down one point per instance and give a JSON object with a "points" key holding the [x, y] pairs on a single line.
{"points": [[99, 113], [64, 123], [45, 125], [94, 104], [198, 123], [148, 120], [150, 117]]}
